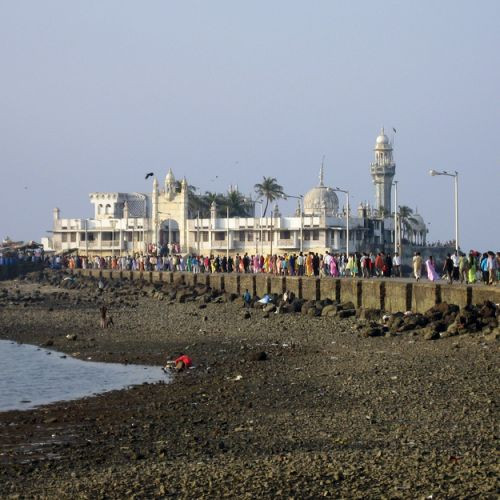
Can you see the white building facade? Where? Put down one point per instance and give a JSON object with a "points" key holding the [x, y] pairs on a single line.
{"points": [[137, 223]]}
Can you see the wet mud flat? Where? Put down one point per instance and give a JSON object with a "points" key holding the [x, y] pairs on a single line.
{"points": [[278, 405]]}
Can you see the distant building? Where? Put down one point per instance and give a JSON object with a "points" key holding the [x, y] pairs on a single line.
{"points": [[129, 223]]}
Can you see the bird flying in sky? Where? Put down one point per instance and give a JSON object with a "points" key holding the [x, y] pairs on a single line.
{"points": [[149, 175]]}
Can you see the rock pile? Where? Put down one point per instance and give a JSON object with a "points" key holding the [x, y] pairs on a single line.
{"points": [[440, 321]]}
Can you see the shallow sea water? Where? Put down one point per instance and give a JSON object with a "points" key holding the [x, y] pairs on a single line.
{"points": [[31, 376]]}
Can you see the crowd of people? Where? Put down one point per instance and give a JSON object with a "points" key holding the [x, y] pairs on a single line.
{"points": [[457, 267], [460, 267]]}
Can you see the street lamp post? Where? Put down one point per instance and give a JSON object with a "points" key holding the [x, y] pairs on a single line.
{"points": [[261, 226], [271, 233], [198, 232], [300, 197], [346, 217], [113, 225], [86, 239], [227, 233], [396, 229], [433, 173]]}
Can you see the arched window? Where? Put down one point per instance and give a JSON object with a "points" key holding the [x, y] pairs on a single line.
{"points": [[99, 209], [108, 209]]}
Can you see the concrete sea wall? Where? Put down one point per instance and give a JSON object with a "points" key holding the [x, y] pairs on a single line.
{"points": [[389, 295]]}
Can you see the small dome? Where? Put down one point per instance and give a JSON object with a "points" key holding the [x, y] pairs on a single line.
{"points": [[382, 139], [170, 176], [321, 198]]}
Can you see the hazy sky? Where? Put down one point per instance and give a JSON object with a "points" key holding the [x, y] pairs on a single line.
{"points": [[94, 94]]}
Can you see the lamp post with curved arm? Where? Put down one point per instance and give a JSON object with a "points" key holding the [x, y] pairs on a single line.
{"points": [[397, 236], [433, 173], [346, 217], [261, 231]]}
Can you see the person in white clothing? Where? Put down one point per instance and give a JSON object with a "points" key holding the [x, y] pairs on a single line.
{"points": [[396, 264]]}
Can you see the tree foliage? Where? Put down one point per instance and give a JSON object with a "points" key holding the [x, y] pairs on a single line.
{"points": [[406, 219], [270, 190], [239, 205]]}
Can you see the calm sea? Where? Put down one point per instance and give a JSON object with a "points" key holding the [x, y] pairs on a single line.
{"points": [[31, 376]]}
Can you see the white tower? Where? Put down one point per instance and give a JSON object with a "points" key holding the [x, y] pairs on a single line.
{"points": [[170, 185], [383, 170]]}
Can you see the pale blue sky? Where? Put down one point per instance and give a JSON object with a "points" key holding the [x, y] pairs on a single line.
{"points": [[93, 94]]}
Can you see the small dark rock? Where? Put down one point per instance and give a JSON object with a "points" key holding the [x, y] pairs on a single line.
{"points": [[259, 356]]}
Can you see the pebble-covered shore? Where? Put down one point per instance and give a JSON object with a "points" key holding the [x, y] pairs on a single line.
{"points": [[295, 404]]}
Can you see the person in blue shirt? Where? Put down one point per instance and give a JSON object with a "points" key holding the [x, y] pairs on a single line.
{"points": [[247, 298]]}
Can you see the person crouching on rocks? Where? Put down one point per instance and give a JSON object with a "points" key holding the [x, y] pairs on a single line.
{"points": [[183, 362]]}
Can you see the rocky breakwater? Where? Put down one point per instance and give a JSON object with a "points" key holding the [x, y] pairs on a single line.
{"points": [[440, 321], [291, 398]]}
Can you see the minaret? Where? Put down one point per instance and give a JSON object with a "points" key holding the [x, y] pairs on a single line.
{"points": [[170, 185], [383, 170]]}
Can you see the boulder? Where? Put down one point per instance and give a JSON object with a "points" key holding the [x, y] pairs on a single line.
{"points": [[451, 331], [287, 308], [395, 321], [329, 310], [429, 333], [313, 312], [347, 305], [438, 326], [407, 325], [372, 331], [488, 310], [438, 311], [369, 314], [297, 305], [346, 313], [307, 305]]}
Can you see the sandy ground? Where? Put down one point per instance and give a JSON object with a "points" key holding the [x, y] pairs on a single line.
{"points": [[327, 414]]}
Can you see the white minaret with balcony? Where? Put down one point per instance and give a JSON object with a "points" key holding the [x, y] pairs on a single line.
{"points": [[383, 170]]}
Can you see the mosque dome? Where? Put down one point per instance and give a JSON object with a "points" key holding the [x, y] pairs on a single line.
{"points": [[417, 222], [321, 198]]}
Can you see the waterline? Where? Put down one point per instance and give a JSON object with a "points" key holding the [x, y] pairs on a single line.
{"points": [[31, 376]]}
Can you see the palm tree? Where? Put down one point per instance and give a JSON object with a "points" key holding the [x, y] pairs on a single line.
{"points": [[206, 202], [270, 190], [406, 219], [239, 206]]}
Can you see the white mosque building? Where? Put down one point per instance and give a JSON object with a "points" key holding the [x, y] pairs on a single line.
{"points": [[131, 223]]}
